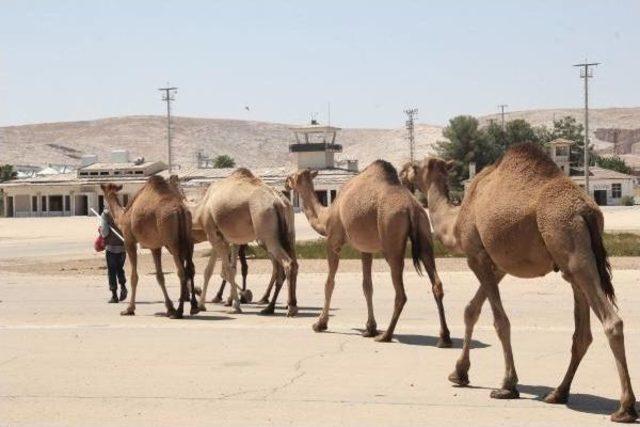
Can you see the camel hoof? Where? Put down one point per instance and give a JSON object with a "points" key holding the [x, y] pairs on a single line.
{"points": [[503, 393], [246, 296], [557, 397], [320, 326], [292, 310], [175, 315], [383, 337], [216, 299], [234, 310], [444, 342], [625, 415], [128, 312], [270, 309], [195, 310], [228, 302], [263, 301], [202, 307], [459, 378], [370, 332]]}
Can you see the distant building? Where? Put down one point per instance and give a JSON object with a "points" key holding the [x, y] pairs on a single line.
{"points": [[75, 193]]}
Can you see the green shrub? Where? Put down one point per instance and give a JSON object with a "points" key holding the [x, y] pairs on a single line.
{"points": [[627, 201]]}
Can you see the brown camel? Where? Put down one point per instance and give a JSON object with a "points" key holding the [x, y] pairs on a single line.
{"points": [[240, 209], [373, 212], [156, 217], [524, 217]]}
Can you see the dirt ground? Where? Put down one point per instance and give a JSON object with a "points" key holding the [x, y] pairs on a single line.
{"points": [[68, 358]]}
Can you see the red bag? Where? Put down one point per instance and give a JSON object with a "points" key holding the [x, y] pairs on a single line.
{"points": [[99, 244]]}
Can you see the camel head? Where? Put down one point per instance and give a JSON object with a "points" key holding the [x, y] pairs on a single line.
{"points": [[407, 176], [300, 179], [431, 170], [109, 189]]}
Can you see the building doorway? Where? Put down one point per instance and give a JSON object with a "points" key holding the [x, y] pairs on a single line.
{"points": [[600, 197], [322, 197], [82, 205], [9, 208], [100, 204]]}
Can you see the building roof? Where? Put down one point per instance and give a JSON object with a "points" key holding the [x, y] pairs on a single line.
{"points": [[561, 141], [119, 166], [314, 129], [596, 172]]}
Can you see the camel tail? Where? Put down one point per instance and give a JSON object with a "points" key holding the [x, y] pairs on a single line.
{"points": [[416, 242], [286, 238], [186, 245], [600, 253]]}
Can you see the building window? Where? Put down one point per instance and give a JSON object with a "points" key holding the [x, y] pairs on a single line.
{"points": [[34, 203], [67, 203], [125, 200], [616, 191], [55, 203], [562, 151], [44, 203]]}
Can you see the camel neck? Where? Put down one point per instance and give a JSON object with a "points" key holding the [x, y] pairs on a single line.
{"points": [[115, 208], [443, 214], [315, 212]]}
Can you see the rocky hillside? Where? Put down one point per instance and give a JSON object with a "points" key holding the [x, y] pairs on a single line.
{"points": [[251, 144]]}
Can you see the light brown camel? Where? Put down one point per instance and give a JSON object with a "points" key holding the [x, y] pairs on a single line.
{"points": [[373, 212], [156, 217], [240, 209], [524, 217]]}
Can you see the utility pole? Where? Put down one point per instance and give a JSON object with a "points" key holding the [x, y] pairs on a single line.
{"points": [[586, 73], [168, 96], [411, 113], [502, 107]]}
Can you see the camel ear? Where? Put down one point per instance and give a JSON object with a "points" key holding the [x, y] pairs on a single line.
{"points": [[287, 184], [450, 164], [313, 174]]}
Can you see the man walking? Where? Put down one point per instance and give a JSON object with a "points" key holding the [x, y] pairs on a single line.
{"points": [[116, 256]]}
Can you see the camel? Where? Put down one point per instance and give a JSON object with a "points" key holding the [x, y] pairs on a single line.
{"points": [[240, 209], [372, 212], [522, 216], [156, 217]]}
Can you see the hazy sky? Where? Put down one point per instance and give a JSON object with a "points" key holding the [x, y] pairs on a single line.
{"points": [[74, 60]]}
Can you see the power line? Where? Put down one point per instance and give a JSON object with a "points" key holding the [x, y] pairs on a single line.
{"points": [[168, 96], [502, 107], [586, 73], [411, 113]]}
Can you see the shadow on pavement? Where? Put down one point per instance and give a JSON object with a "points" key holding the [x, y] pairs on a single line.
{"points": [[430, 341]]}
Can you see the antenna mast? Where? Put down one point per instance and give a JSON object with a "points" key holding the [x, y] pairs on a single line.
{"points": [[411, 113], [168, 96]]}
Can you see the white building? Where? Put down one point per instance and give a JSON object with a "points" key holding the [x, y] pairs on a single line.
{"points": [[78, 192]]}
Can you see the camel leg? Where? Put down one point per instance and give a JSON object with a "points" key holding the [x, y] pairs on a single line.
{"points": [[244, 267], [471, 313], [333, 259], [371, 328], [208, 271], [219, 294], [438, 293], [586, 277], [396, 262], [132, 254], [289, 265], [157, 260], [279, 280], [489, 278], [272, 281], [228, 255], [184, 291], [581, 340]]}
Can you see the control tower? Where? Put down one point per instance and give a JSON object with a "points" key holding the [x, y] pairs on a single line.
{"points": [[315, 146]]}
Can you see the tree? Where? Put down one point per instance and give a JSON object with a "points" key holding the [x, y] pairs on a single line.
{"points": [[466, 143], [515, 132], [7, 173], [223, 161], [614, 163]]}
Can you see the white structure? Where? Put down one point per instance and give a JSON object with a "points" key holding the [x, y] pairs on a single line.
{"points": [[607, 187], [559, 151], [74, 193]]}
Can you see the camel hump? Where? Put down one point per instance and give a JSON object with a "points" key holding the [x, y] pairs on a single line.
{"points": [[243, 172], [384, 169], [529, 156]]}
